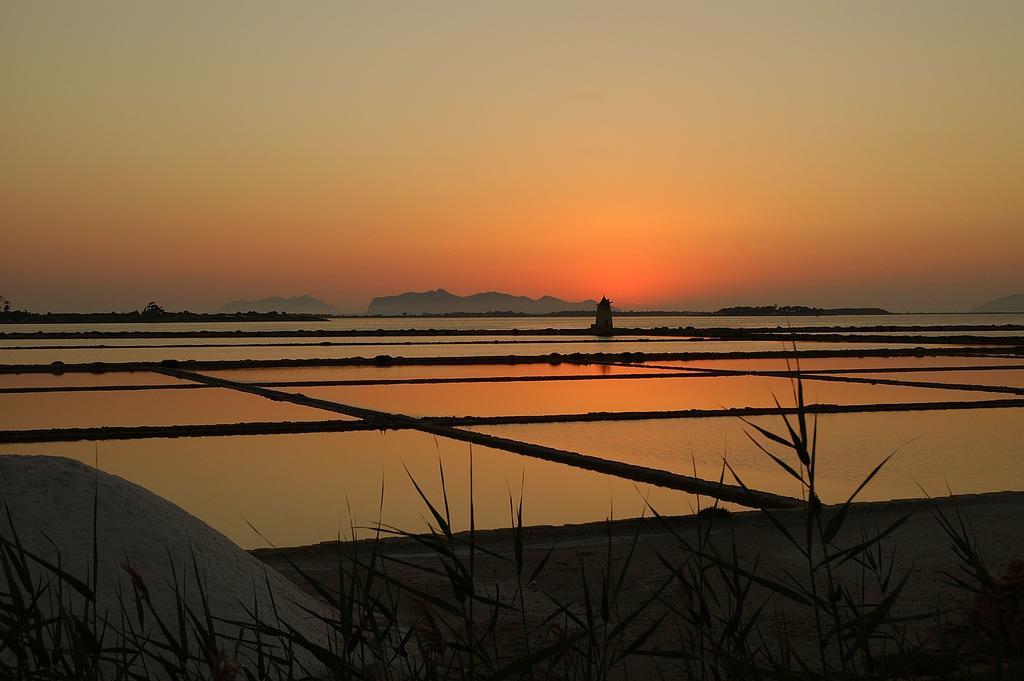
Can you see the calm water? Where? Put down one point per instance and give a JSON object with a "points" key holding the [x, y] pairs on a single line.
{"points": [[299, 488], [528, 323], [970, 451], [501, 399], [118, 354]]}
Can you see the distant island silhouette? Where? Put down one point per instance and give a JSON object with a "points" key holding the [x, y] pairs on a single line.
{"points": [[152, 313], [297, 305], [440, 301], [796, 311], [427, 304], [1006, 304]]}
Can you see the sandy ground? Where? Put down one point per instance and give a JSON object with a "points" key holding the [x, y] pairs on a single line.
{"points": [[919, 545]]}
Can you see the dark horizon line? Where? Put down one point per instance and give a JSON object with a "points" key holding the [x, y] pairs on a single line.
{"points": [[26, 317]]}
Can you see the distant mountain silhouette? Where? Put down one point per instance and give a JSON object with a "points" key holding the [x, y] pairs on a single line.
{"points": [[440, 301], [1014, 303], [296, 305]]}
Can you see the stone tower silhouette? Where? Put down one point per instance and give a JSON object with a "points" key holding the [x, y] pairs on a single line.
{"points": [[603, 323]]}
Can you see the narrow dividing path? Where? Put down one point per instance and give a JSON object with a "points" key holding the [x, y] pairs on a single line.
{"points": [[643, 474]]}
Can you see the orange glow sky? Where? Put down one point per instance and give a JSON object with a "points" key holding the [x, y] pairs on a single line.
{"points": [[680, 155]]}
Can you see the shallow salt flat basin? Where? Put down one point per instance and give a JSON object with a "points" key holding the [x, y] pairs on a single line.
{"points": [[654, 394], [146, 407], [544, 322], [561, 368], [71, 356], [1013, 379], [154, 354], [948, 332], [370, 324], [865, 364], [45, 356], [570, 369], [39, 380], [177, 342], [298, 489], [345, 373], [203, 342], [970, 451]]}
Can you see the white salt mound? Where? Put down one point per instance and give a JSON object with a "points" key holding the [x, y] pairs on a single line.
{"points": [[51, 500]]}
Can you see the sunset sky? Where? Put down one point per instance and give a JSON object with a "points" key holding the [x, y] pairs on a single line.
{"points": [[677, 155]]}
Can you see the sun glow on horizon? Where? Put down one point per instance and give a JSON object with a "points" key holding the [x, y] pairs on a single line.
{"points": [[672, 155]]}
